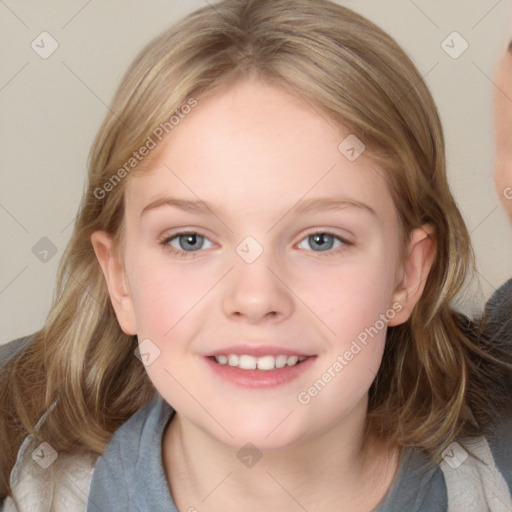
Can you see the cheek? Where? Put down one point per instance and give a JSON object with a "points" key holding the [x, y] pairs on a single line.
{"points": [[352, 296], [354, 308], [167, 301], [162, 293]]}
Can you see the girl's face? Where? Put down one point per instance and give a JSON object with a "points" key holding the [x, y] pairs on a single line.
{"points": [[254, 235]]}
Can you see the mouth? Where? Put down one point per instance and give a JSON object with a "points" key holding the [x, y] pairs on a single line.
{"points": [[261, 370], [264, 363]]}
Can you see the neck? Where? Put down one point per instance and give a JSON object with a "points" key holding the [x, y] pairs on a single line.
{"points": [[332, 471]]}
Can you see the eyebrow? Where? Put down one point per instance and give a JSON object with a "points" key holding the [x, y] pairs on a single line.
{"points": [[308, 206]]}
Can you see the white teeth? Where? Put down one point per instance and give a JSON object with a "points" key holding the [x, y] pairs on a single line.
{"points": [[266, 363], [222, 359], [246, 362], [281, 361], [292, 360]]}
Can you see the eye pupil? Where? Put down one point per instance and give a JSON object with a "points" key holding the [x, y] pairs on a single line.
{"points": [[319, 239], [191, 239]]}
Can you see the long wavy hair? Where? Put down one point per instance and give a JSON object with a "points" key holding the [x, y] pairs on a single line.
{"points": [[433, 372]]}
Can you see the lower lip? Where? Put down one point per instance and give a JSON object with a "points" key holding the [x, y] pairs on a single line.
{"points": [[259, 378]]}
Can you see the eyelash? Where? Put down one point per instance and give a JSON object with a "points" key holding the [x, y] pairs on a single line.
{"points": [[192, 254]]}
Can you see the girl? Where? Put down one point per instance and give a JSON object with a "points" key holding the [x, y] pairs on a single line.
{"points": [[257, 295]]}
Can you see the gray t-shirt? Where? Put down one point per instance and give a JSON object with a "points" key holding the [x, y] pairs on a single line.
{"points": [[130, 474]]}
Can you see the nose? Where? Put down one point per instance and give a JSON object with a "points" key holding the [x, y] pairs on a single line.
{"points": [[256, 292]]}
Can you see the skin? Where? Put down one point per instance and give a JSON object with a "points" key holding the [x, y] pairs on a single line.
{"points": [[502, 96], [253, 151]]}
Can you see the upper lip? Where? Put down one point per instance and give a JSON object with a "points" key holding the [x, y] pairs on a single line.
{"points": [[257, 351]]}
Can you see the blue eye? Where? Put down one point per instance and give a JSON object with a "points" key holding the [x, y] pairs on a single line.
{"points": [[188, 244], [185, 242], [322, 241]]}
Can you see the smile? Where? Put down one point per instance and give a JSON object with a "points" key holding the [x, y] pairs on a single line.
{"points": [[266, 363]]}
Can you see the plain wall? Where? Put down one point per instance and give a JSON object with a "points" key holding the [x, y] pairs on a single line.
{"points": [[50, 110]]}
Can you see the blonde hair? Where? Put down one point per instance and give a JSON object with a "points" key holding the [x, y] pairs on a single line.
{"points": [[83, 363]]}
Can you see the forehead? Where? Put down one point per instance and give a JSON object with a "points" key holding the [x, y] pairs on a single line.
{"points": [[255, 146]]}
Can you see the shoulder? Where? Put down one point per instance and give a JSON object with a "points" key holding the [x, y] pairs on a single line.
{"points": [[500, 442], [44, 480], [419, 485], [131, 436], [468, 469], [474, 474], [10, 349], [130, 467]]}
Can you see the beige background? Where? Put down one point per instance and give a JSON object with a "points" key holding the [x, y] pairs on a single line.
{"points": [[51, 108]]}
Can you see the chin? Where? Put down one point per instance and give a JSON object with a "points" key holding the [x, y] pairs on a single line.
{"points": [[266, 433]]}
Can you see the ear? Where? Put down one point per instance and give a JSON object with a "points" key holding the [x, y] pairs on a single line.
{"points": [[117, 284], [420, 256]]}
